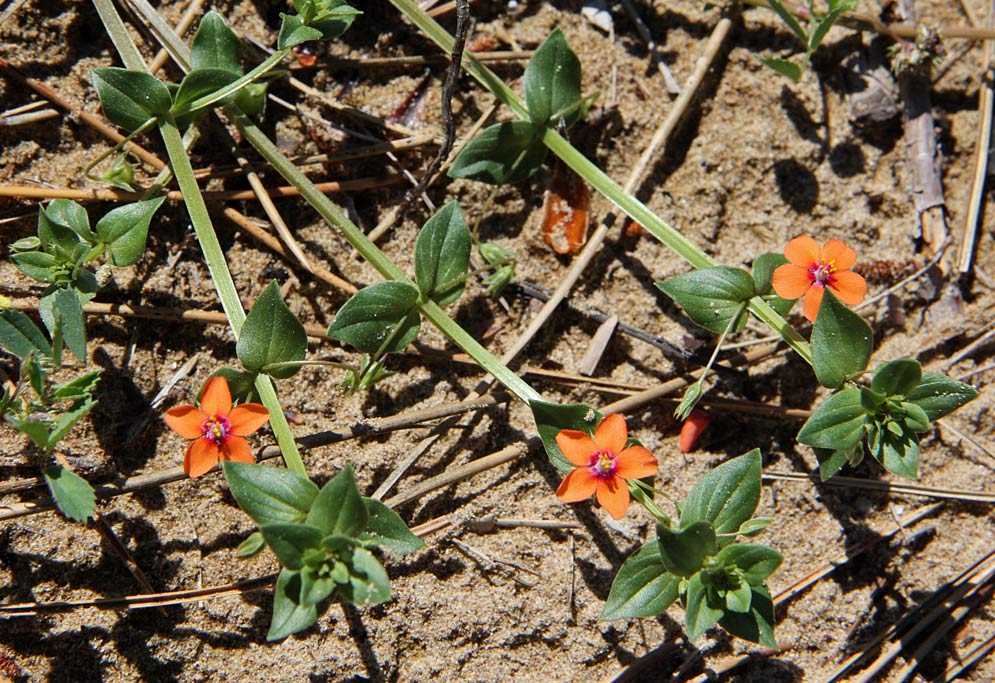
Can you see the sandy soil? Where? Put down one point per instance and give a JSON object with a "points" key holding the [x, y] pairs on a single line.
{"points": [[756, 162]]}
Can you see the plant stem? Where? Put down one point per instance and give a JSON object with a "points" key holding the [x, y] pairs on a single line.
{"points": [[206, 235], [215, 97], [580, 164], [368, 250]]}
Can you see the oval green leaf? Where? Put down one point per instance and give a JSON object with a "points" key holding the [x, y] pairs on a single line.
{"points": [[642, 587], [380, 318], [338, 508], [442, 255], [842, 342], [269, 494], [711, 296], [503, 153], [552, 81], [126, 229], [727, 496], [215, 45], [271, 334], [130, 98], [838, 422], [939, 395]]}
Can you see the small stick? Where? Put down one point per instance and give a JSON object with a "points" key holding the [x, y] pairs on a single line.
{"points": [[986, 108], [413, 60], [597, 347], [9, 120], [31, 192]]}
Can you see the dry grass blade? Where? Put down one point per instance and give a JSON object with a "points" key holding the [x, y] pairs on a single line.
{"points": [[885, 486]]}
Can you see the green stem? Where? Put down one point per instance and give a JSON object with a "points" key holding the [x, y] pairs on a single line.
{"points": [[634, 208], [206, 235], [368, 250]]}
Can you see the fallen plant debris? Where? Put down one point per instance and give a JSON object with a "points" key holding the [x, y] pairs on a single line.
{"points": [[691, 536]]}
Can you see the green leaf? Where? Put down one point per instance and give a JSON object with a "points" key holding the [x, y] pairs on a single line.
{"points": [[54, 233], [66, 421], [62, 308], [642, 587], [335, 19], [442, 255], [551, 418], [386, 529], [380, 318], [291, 542], [270, 494], [130, 98], [294, 32], [251, 545], [831, 462], [215, 45], [940, 395], [35, 264], [271, 334], [758, 625], [757, 561], [36, 430], [785, 67], [699, 616], [727, 496], [506, 152], [711, 296], [368, 582], [289, 615], [69, 214], [552, 81], [788, 18], [72, 494], [842, 342], [76, 388], [126, 228], [753, 527], [916, 418], [338, 508], [314, 586], [738, 599], [201, 83], [837, 7], [763, 271], [684, 550], [20, 335], [899, 450], [838, 422]]}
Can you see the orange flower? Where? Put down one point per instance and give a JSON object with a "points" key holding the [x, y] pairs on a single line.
{"points": [[602, 465], [812, 269], [218, 429]]}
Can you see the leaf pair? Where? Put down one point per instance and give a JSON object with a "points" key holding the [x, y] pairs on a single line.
{"points": [[512, 151], [886, 417], [384, 317], [322, 537], [718, 580], [811, 38]]}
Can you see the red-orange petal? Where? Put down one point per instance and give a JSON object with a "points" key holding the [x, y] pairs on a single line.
{"points": [[236, 448], [578, 485], [577, 446], [849, 287], [803, 251], [186, 421], [613, 495], [692, 428], [841, 256], [812, 302], [216, 397], [247, 418], [201, 456], [635, 462], [611, 434], [791, 282]]}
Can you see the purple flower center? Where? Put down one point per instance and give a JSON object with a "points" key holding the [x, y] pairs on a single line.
{"points": [[822, 273], [216, 429], [603, 464]]}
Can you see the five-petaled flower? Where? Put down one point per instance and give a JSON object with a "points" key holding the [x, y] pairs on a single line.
{"points": [[218, 430], [812, 269], [602, 464]]}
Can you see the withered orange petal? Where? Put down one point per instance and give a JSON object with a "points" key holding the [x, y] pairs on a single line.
{"points": [[577, 485], [247, 418], [803, 251], [791, 282], [842, 256], [577, 446], [201, 456], [813, 299], [186, 421], [216, 397], [611, 434], [613, 495], [849, 287], [236, 448], [635, 462]]}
